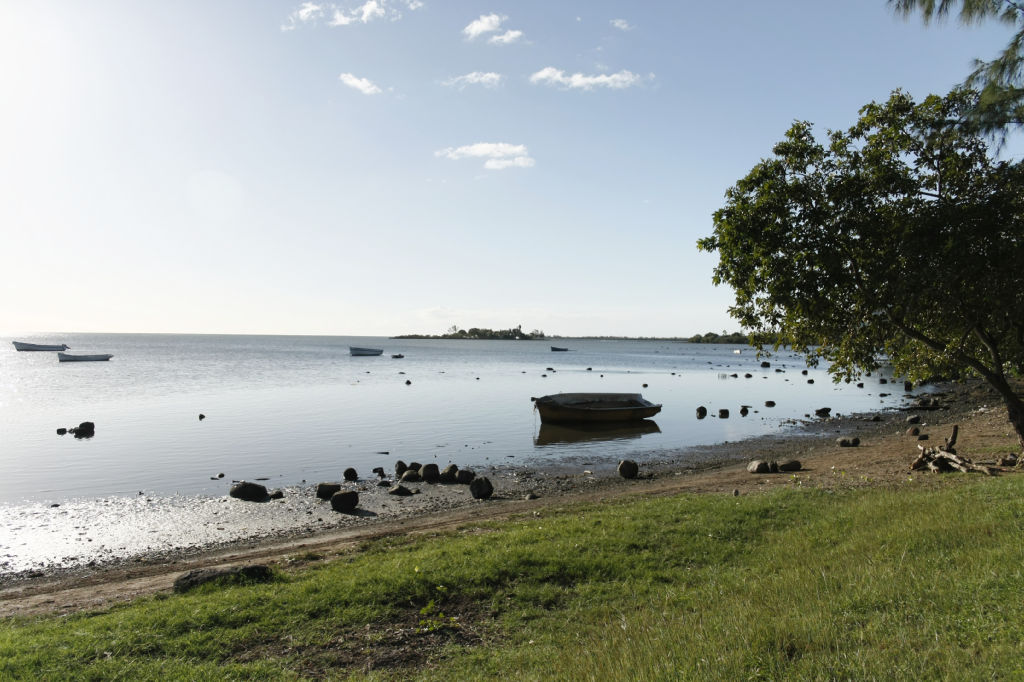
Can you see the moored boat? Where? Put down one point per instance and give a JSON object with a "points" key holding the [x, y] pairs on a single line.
{"points": [[568, 408], [68, 357], [21, 345], [355, 350], [558, 349], [398, 356]]}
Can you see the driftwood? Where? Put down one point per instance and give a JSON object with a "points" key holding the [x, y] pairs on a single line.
{"points": [[943, 458]]}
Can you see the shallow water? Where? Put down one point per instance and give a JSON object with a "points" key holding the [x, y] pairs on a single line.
{"points": [[301, 409]]}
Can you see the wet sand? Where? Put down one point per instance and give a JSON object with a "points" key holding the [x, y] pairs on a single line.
{"points": [[110, 560]]}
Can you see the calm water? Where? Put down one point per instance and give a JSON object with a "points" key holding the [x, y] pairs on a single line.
{"points": [[290, 409]]}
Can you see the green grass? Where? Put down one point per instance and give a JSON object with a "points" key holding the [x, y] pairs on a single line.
{"points": [[922, 582]]}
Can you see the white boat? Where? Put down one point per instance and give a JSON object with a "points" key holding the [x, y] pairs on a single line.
{"points": [[355, 350], [68, 357], [21, 345]]}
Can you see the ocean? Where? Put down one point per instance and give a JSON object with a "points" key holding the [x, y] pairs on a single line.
{"points": [[288, 409]]}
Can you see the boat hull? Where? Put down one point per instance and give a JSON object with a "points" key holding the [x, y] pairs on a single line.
{"points": [[580, 408], [21, 345], [66, 357], [353, 350]]}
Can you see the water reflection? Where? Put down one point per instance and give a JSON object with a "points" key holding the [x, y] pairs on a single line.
{"points": [[558, 434]]}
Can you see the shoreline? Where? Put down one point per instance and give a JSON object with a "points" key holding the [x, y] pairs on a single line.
{"points": [[883, 458]]}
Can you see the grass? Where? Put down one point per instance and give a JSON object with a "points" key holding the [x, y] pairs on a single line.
{"points": [[920, 582]]}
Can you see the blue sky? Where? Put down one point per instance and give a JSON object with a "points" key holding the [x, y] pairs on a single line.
{"points": [[398, 166]]}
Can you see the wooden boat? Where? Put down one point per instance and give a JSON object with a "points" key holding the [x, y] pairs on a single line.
{"points": [[354, 350], [68, 357], [556, 349], [569, 408], [21, 345], [398, 356]]}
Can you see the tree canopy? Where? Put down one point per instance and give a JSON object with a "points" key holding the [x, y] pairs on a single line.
{"points": [[999, 81], [900, 238]]}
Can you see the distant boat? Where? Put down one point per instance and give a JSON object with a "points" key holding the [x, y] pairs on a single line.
{"points": [[398, 356], [737, 351], [21, 345], [353, 350], [556, 349], [68, 357], [568, 408]]}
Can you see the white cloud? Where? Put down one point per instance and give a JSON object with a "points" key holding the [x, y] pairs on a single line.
{"points": [[363, 85], [312, 13], [578, 81], [498, 155], [487, 80], [487, 23], [308, 12], [506, 38], [621, 24]]}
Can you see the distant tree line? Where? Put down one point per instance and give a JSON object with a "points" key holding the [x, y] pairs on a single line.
{"points": [[513, 334], [724, 337]]}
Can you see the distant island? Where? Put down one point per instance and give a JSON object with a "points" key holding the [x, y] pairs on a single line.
{"points": [[514, 334], [517, 334]]}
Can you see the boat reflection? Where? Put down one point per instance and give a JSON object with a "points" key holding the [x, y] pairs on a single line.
{"points": [[557, 434]]}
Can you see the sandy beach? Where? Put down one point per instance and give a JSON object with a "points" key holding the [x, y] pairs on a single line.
{"points": [[300, 528]]}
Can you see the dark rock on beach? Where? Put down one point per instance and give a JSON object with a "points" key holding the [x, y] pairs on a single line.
{"points": [[250, 492], [848, 442], [723, 413], [628, 468], [324, 491], [702, 412], [758, 466], [481, 488], [430, 473], [449, 474], [350, 474], [345, 501], [61, 432], [400, 468], [465, 476], [400, 490], [84, 430], [789, 465], [201, 576], [769, 403], [410, 475]]}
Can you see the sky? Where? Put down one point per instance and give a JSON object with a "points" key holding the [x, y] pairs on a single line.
{"points": [[385, 167]]}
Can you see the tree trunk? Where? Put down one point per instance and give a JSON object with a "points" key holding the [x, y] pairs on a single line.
{"points": [[1014, 407]]}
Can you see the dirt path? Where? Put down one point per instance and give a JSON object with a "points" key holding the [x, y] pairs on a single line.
{"points": [[882, 458]]}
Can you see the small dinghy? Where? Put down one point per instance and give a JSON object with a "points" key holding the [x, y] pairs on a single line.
{"points": [[354, 350], [569, 408], [68, 357]]}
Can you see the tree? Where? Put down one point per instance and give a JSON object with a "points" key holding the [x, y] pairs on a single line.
{"points": [[1000, 81], [900, 238]]}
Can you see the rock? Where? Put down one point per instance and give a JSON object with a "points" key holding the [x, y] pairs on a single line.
{"points": [[400, 468], [744, 411], [61, 432], [883, 381], [345, 501], [531, 496], [400, 490], [250, 492], [758, 466], [325, 490], [628, 468], [855, 441], [411, 476], [201, 576], [748, 376], [465, 476], [380, 472], [810, 381], [823, 412], [415, 465], [735, 492], [84, 430], [350, 474], [702, 412], [449, 474], [913, 431], [277, 495], [773, 467], [1009, 461], [481, 488], [769, 403], [923, 436], [723, 413], [202, 417], [804, 372], [847, 442], [430, 473], [860, 384], [789, 465], [914, 419], [766, 364]]}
